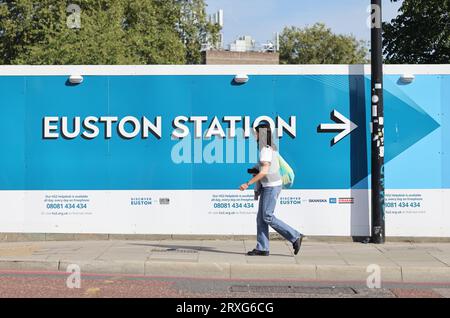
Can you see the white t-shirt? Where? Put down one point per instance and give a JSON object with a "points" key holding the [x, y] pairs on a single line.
{"points": [[273, 178]]}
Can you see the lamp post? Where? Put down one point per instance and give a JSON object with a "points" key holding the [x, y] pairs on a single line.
{"points": [[377, 126]]}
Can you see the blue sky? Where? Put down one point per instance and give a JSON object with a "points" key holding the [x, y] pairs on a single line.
{"points": [[262, 18]]}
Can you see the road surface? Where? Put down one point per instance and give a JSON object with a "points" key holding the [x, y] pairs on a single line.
{"points": [[61, 285]]}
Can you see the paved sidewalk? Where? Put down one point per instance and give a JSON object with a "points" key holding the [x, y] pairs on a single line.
{"points": [[317, 261]]}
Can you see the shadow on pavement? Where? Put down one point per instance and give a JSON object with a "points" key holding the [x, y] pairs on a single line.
{"points": [[171, 247]]}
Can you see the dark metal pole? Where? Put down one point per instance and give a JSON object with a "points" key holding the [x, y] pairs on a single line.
{"points": [[377, 127]]}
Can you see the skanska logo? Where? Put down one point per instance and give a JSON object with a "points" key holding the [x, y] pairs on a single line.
{"points": [[317, 200]]}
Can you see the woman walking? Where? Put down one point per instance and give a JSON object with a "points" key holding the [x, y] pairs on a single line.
{"points": [[271, 184]]}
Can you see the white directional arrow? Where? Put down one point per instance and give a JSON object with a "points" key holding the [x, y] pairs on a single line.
{"points": [[345, 126]]}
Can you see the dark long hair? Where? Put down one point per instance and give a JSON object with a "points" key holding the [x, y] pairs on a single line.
{"points": [[265, 136]]}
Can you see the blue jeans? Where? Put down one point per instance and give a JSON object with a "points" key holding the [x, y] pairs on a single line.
{"points": [[265, 217]]}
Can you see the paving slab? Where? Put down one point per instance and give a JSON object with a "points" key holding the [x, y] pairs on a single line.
{"points": [[444, 292], [226, 259], [273, 271]]}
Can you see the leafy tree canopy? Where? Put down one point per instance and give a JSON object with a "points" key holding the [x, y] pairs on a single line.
{"points": [[319, 45], [420, 34], [108, 32]]}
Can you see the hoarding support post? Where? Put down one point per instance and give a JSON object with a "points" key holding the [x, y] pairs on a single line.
{"points": [[377, 126]]}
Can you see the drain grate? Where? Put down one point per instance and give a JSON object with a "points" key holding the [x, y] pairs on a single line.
{"points": [[292, 290], [174, 250]]}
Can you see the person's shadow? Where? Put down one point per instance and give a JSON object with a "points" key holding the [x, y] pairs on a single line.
{"points": [[187, 248]]}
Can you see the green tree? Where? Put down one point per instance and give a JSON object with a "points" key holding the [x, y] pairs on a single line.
{"points": [[111, 32], [150, 30], [194, 29], [319, 45], [420, 34]]}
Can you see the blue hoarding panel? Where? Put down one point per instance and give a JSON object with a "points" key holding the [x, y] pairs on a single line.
{"points": [[414, 127]]}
